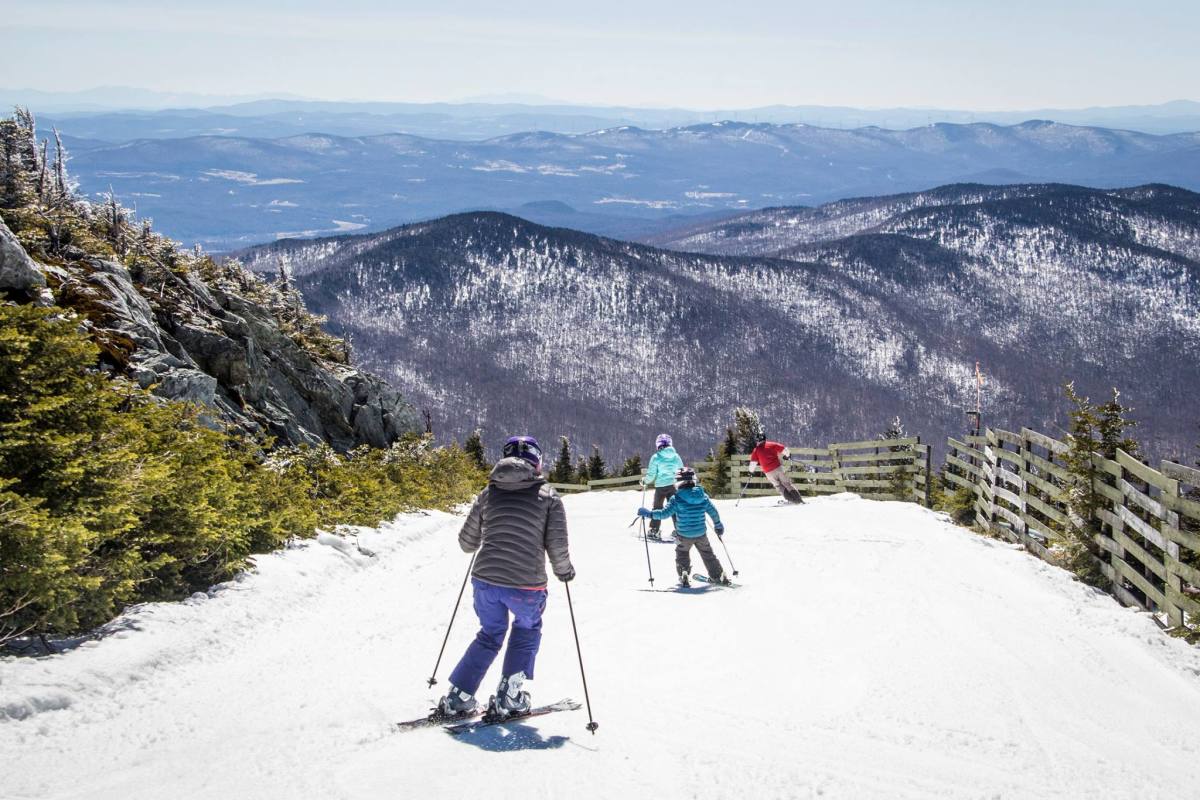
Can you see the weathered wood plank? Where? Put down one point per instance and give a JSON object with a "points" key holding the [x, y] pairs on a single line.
{"points": [[1045, 532], [909, 456], [963, 446], [1007, 436], [1138, 498], [1045, 508], [1147, 474], [841, 446], [1186, 602], [1183, 505], [964, 466], [1041, 484], [616, 481], [880, 469], [865, 483], [1011, 478], [1108, 544], [959, 480], [1049, 467], [568, 488], [1140, 581], [1183, 538], [1189, 574], [1011, 497], [1141, 527], [1046, 442], [1011, 457], [1181, 473], [1147, 559], [1108, 492], [1105, 465], [1014, 518]]}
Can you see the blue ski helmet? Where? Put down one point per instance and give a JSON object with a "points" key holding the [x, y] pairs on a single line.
{"points": [[663, 440], [525, 447]]}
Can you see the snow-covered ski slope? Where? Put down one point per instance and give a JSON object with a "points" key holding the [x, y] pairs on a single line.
{"points": [[873, 651]]}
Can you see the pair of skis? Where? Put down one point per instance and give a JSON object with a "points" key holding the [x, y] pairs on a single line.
{"points": [[466, 723]]}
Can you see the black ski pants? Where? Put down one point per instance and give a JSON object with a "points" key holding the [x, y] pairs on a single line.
{"points": [[661, 495], [683, 556]]}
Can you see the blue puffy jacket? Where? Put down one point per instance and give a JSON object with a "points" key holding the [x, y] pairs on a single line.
{"points": [[689, 506], [662, 467]]}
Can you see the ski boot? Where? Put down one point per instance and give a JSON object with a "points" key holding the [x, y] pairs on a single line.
{"points": [[653, 535], [684, 581], [456, 703], [721, 580], [509, 700]]}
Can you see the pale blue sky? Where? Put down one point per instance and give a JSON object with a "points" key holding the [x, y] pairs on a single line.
{"points": [[1017, 54]]}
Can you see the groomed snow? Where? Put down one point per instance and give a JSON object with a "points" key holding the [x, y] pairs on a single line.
{"points": [[874, 651]]}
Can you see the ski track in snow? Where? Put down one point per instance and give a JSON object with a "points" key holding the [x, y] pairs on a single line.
{"points": [[873, 651]]}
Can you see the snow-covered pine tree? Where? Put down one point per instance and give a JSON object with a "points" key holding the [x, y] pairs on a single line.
{"points": [[473, 447], [1112, 424], [596, 468], [581, 470], [747, 425], [631, 467], [1080, 551], [561, 471]]}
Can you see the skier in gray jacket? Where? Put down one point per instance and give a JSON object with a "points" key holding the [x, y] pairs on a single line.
{"points": [[515, 523]]}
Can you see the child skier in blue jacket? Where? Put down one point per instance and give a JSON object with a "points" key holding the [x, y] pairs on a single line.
{"points": [[688, 506]]}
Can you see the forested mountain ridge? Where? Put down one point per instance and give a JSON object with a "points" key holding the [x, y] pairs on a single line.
{"points": [[877, 307]]}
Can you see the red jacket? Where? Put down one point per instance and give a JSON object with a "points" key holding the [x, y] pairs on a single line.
{"points": [[766, 455]]}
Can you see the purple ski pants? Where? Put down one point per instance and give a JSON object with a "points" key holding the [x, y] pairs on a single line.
{"points": [[493, 604]]}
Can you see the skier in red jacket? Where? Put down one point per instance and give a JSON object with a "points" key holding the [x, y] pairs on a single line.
{"points": [[766, 456]]}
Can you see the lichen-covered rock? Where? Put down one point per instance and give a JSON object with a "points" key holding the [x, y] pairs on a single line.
{"points": [[18, 272]]}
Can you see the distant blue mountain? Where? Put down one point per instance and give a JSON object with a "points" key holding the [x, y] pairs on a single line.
{"points": [[230, 191]]}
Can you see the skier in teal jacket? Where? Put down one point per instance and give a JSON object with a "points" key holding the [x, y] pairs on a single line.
{"points": [[688, 506], [660, 473]]}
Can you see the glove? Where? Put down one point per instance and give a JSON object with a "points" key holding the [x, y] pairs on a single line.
{"points": [[753, 466], [568, 577], [645, 512], [720, 529]]}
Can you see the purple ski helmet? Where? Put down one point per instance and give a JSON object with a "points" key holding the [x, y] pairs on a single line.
{"points": [[663, 440], [525, 447]]}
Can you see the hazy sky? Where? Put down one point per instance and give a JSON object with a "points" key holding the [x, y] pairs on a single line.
{"points": [[972, 54]]}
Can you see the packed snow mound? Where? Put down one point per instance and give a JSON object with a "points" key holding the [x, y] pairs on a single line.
{"points": [[872, 650]]}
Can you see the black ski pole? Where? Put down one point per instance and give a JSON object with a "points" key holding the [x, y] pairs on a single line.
{"points": [[592, 724], [646, 542], [453, 614], [721, 539], [743, 494]]}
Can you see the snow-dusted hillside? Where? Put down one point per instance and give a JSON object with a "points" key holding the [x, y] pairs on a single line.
{"points": [[841, 316], [873, 651]]}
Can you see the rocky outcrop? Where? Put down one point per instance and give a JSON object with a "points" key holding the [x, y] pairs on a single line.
{"points": [[18, 273], [193, 343]]}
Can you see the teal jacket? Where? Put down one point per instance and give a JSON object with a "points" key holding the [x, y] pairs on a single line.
{"points": [[689, 506], [661, 469]]}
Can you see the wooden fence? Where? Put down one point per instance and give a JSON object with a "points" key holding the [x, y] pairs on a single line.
{"points": [[1148, 521], [879, 469]]}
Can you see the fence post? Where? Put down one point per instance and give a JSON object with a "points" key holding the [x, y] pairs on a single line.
{"points": [[928, 475]]}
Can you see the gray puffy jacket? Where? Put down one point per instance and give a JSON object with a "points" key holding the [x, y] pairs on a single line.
{"points": [[515, 523]]}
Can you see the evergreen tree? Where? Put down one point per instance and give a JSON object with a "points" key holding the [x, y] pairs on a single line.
{"points": [[747, 427], [596, 468], [1079, 546], [581, 470], [1111, 427], [561, 471], [730, 445], [474, 449], [631, 467], [716, 482]]}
